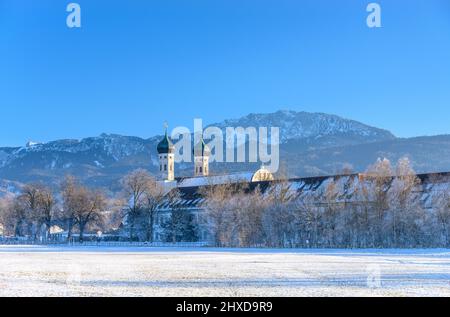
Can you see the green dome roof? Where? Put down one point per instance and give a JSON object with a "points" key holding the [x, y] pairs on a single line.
{"points": [[166, 146]]}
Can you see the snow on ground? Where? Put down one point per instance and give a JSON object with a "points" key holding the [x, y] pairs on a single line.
{"points": [[95, 271]]}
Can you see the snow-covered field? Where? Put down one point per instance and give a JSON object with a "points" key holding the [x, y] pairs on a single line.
{"points": [[92, 271]]}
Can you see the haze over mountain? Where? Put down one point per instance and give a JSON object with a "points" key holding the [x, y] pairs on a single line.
{"points": [[311, 144]]}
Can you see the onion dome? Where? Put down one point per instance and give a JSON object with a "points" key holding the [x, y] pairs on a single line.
{"points": [[166, 146]]}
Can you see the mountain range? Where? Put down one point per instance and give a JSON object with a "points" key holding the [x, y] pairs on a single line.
{"points": [[312, 144]]}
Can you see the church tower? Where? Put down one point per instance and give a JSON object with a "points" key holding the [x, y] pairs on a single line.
{"points": [[201, 159], [166, 152]]}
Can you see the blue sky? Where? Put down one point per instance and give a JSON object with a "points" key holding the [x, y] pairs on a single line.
{"points": [[135, 64]]}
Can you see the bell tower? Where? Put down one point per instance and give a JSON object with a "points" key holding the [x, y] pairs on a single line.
{"points": [[166, 152], [201, 159]]}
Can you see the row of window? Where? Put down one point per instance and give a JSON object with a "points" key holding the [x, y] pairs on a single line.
{"points": [[199, 170], [164, 168]]}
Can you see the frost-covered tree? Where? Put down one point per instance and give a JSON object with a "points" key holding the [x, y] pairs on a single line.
{"points": [[278, 217], [360, 214], [442, 212], [308, 221], [220, 212], [379, 177], [405, 213], [333, 212], [249, 209]]}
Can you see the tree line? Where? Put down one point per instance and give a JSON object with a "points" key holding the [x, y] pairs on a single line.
{"points": [[380, 208], [37, 208], [128, 215]]}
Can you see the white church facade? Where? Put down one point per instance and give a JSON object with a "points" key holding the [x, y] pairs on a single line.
{"points": [[190, 199]]}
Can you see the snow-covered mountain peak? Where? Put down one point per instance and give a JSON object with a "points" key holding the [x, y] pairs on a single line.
{"points": [[300, 125], [311, 143]]}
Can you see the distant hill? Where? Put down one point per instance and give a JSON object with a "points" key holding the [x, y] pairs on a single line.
{"points": [[428, 154], [312, 129], [312, 144]]}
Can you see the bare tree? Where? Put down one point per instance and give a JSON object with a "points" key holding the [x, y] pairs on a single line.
{"points": [[278, 217], [404, 206], [38, 202], [332, 213], [360, 210], [135, 186], [88, 207], [47, 207], [67, 214], [220, 215], [8, 216], [442, 211], [154, 195], [308, 220], [82, 206], [250, 209], [30, 199], [144, 194], [379, 177]]}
